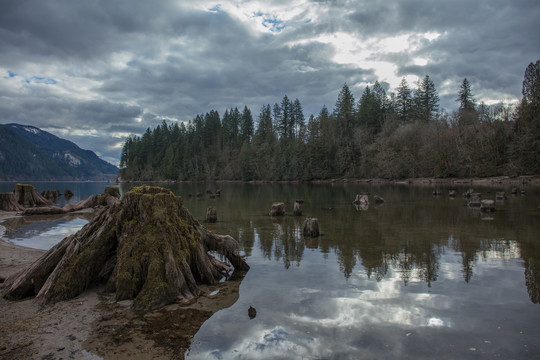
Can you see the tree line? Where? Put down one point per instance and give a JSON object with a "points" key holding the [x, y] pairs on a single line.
{"points": [[393, 136]]}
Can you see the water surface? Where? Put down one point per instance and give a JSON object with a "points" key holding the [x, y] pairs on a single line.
{"points": [[43, 232], [417, 277]]}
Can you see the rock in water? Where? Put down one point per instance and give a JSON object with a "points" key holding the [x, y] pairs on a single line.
{"points": [[68, 194], [252, 312], [147, 247], [378, 199]]}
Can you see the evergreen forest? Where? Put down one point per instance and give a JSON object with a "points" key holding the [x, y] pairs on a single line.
{"points": [[392, 136]]}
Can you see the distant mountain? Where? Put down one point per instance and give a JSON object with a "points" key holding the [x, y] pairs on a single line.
{"points": [[28, 153]]}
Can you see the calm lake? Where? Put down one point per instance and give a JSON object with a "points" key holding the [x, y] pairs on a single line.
{"points": [[418, 277]]}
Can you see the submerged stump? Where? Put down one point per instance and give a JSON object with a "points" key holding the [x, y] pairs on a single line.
{"points": [[146, 247], [297, 211], [211, 214], [278, 209], [311, 227]]}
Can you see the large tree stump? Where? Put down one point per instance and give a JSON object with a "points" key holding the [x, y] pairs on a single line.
{"points": [[27, 196], [9, 203], [147, 247]]}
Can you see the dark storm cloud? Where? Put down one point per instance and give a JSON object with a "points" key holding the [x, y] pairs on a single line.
{"points": [[112, 68], [489, 42]]}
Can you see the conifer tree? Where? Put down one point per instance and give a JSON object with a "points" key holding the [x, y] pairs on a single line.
{"points": [[344, 111], [246, 126], [426, 100], [465, 96], [404, 101]]}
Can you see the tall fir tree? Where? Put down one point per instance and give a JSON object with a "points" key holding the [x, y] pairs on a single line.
{"points": [[246, 126], [465, 96], [344, 111], [404, 101], [299, 121], [426, 100]]}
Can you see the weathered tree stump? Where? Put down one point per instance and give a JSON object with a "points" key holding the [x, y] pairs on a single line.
{"points": [[501, 195], [68, 194], [475, 200], [27, 196], [452, 193], [211, 214], [297, 211], [311, 227], [113, 191], [487, 205], [147, 247], [278, 209], [468, 193], [51, 195], [8, 202], [436, 192], [361, 200]]}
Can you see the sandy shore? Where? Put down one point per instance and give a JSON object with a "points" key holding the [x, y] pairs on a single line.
{"points": [[94, 325]]}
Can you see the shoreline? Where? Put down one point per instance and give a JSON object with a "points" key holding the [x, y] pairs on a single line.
{"points": [[94, 325], [525, 180]]}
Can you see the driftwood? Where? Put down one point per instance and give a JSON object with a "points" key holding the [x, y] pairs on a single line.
{"points": [[147, 247], [110, 196]]}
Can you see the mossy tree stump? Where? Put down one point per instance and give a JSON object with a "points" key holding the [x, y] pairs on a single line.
{"points": [[147, 247]]}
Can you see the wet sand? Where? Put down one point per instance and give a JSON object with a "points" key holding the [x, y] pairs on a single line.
{"points": [[94, 325]]}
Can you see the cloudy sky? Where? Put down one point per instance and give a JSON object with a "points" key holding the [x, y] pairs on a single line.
{"points": [[97, 71]]}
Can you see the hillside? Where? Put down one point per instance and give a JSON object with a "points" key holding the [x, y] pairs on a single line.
{"points": [[31, 154]]}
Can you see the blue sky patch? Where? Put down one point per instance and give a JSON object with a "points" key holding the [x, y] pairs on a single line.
{"points": [[273, 24], [40, 80]]}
